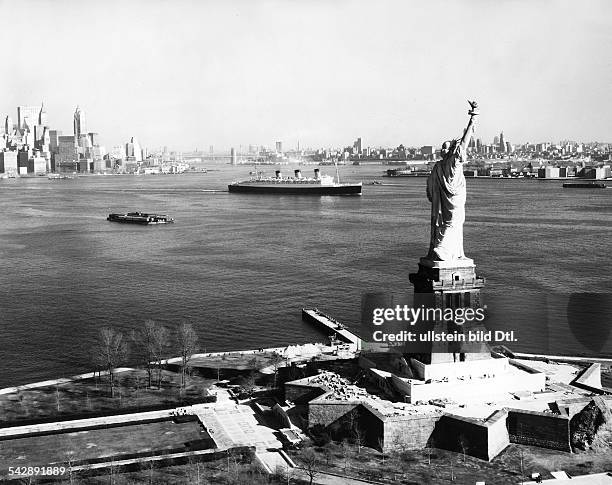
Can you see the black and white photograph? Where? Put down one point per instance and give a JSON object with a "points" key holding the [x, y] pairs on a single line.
{"points": [[342, 242]]}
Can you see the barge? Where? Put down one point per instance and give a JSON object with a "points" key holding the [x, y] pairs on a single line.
{"points": [[140, 218]]}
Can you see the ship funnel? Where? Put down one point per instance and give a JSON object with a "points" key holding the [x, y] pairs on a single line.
{"points": [[278, 174], [298, 174], [317, 174]]}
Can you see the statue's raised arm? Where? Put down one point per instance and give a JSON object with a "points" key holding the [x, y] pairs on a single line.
{"points": [[446, 190], [469, 131]]}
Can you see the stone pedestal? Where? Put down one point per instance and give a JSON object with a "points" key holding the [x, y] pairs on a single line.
{"points": [[451, 284]]}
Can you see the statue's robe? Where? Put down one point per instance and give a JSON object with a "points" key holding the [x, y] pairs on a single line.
{"points": [[446, 192]]}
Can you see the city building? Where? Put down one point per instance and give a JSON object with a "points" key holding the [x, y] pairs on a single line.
{"points": [[133, 152], [8, 125], [27, 117], [80, 123], [66, 158], [33, 141], [8, 162]]}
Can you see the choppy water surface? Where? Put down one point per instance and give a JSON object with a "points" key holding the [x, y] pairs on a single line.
{"points": [[240, 267]]}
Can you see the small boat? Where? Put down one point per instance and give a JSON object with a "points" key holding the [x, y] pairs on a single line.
{"points": [[584, 185], [59, 176], [140, 218]]}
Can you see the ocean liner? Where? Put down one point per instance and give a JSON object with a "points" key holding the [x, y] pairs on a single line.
{"points": [[318, 185]]}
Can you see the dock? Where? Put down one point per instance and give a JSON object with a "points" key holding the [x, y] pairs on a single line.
{"points": [[345, 345], [332, 326]]}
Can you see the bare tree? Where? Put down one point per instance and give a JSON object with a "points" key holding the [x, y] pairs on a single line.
{"points": [[248, 382], [194, 474], [381, 445], [352, 419], [160, 344], [358, 437], [70, 461], [283, 474], [143, 339], [311, 463], [463, 442], [152, 341], [355, 429], [522, 457], [431, 444], [187, 341], [57, 397], [344, 448], [110, 351], [327, 453], [276, 360]]}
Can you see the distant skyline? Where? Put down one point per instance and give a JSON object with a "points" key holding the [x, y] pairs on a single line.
{"points": [[189, 74]]}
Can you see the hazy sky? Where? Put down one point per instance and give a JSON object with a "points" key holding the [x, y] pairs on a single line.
{"points": [[196, 73]]}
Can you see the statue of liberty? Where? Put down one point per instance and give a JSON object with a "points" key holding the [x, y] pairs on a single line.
{"points": [[447, 194]]}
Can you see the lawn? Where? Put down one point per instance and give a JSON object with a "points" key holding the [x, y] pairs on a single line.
{"points": [[419, 467], [92, 396], [222, 472], [98, 443]]}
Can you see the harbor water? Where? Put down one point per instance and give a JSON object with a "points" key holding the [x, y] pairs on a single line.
{"points": [[240, 267]]}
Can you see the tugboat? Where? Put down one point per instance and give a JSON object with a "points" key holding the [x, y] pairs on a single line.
{"points": [[140, 218], [318, 185]]}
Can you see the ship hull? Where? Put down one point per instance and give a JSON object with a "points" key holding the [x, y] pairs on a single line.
{"points": [[299, 189], [584, 185], [140, 218]]}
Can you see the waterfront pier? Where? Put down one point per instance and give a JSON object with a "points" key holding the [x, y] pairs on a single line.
{"points": [[333, 326]]}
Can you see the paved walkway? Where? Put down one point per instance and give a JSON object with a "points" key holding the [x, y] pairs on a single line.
{"points": [[63, 380], [273, 460], [236, 426], [63, 426]]}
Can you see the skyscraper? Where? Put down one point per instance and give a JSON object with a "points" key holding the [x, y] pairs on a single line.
{"points": [[8, 125], [27, 115], [80, 124], [133, 152], [357, 146], [42, 116], [279, 147], [502, 143]]}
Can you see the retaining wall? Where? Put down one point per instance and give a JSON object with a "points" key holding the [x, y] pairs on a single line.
{"points": [[302, 394], [484, 439], [411, 433], [539, 429], [327, 412]]}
